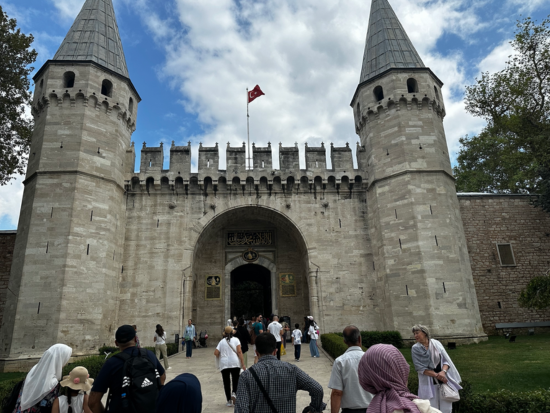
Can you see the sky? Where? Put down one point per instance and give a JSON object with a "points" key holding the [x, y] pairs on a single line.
{"points": [[192, 60]]}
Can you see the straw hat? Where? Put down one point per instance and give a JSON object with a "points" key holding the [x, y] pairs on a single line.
{"points": [[78, 379], [228, 330]]}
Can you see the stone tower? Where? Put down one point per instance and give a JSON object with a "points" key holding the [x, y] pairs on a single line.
{"points": [[421, 261], [69, 248]]}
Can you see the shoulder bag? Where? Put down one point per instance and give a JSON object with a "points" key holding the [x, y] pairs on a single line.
{"points": [[448, 394], [264, 392]]}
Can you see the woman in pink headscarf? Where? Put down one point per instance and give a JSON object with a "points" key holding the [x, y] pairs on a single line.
{"points": [[383, 371]]}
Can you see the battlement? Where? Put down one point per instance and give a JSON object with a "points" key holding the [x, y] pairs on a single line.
{"points": [[316, 175]]}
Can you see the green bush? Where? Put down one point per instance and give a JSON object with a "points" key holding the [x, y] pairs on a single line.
{"points": [[370, 338], [107, 349], [334, 344], [5, 390], [504, 401], [93, 364]]}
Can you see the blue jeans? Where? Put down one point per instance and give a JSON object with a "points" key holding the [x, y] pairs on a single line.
{"points": [[297, 351], [313, 348], [188, 348]]}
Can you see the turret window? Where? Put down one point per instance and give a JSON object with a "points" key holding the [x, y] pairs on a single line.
{"points": [[68, 79], [412, 85], [378, 93], [436, 93], [131, 106], [107, 88]]}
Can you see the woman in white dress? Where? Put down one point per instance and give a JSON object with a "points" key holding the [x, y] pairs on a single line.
{"points": [[434, 368]]}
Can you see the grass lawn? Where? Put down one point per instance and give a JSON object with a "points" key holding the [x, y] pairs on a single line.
{"points": [[497, 364], [10, 376]]}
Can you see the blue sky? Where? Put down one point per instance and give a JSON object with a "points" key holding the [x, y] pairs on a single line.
{"points": [[191, 61]]}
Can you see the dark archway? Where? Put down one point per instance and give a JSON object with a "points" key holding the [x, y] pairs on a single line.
{"points": [[250, 291]]}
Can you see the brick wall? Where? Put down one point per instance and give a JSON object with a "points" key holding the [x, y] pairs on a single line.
{"points": [[488, 220], [7, 242]]}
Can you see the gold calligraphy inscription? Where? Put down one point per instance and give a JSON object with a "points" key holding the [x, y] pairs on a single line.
{"points": [[249, 238], [213, 288], [288, 284]]}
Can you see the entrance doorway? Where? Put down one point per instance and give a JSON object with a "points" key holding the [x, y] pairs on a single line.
{"points": [[250, 291]]}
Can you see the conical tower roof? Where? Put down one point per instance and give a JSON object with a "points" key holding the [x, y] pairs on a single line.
{"points": [[387, 45], [94, 36]]}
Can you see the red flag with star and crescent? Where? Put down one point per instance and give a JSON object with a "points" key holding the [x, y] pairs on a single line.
{"points": [[255, 93]]}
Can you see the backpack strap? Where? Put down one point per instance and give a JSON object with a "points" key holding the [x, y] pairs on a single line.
{"points": [[262, 389]]}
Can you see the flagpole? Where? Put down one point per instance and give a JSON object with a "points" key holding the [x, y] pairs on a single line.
{"points": [[248, 126]]}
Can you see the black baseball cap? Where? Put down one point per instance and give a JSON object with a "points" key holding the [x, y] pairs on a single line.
{"points": [[124, 334]]}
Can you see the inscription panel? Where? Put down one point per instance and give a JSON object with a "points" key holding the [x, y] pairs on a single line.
{"points": [[235, 238]]}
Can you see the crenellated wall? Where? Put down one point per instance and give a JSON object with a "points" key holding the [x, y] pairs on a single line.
{"points": [[236, 176]]}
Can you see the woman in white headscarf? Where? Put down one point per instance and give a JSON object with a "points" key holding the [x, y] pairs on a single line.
{"points": [[434, 367], [40, 387]]}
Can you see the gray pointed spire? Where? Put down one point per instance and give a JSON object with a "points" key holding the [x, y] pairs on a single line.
{"points": [[387, 45], [94, 36]]}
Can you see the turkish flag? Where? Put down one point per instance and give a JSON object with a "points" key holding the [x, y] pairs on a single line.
{"points": [[255, 93]]}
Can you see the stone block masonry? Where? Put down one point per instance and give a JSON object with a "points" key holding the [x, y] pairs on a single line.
{"points": [[7, 244], [508, 219]]}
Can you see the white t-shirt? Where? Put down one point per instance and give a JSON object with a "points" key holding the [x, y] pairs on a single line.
{"points": [[275, 329], [228, 357], [159, 339], [312, 333], [77, 403], [297, 335]]}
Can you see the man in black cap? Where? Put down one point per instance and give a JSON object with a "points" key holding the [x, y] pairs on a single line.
{"points": [[110, 376]]}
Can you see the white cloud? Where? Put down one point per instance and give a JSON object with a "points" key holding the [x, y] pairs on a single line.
{"points": [[496, 60], [10, 202], [306, 56], [523, 6]]}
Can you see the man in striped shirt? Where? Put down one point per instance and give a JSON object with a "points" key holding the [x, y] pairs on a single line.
{"points": [[271, 384]]}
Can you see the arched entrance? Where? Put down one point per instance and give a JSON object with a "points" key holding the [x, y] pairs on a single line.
{"points": [[250, 291], [248, 260]]}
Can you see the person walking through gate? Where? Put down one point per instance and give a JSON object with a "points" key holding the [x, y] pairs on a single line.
{"points": [[344, 381], [189, 337], [160, 345], [258, 329], [297, 341], [230, 359], [313, 336], [244, 338], [275, 328]]}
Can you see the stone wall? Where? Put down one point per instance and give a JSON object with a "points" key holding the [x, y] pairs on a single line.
{"points": [[492, 219], [7, 243]]}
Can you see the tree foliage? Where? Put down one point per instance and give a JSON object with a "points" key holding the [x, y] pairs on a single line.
{"points": [[15, 97], [512, 153], [537, 293]]}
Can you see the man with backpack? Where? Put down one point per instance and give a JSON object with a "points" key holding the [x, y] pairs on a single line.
{"points": [[133, 376]]}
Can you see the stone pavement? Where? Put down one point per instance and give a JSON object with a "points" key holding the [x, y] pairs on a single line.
{"points": [[202, 365]]}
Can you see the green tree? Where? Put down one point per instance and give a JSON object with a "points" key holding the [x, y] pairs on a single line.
{"points": [[15, 97], [537, 293], [512, 153]]}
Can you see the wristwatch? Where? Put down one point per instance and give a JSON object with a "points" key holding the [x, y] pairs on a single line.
{"points": [[444, 371]]}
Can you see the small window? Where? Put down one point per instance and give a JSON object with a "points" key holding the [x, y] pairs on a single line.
{"points": [[358, 110], [412, 85], [131, 106], [379, 93], [107, 88], [68, 79], [436, 93], [506, 255], [41, 85]]}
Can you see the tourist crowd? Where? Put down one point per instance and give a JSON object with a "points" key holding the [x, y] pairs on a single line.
{"points": [[374, 381]]}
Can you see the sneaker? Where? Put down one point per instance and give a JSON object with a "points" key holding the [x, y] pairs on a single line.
{"points": [[229, 404], [233, 397], [169, 368], [297, 359]]}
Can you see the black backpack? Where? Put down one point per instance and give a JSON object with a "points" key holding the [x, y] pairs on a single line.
{"points": [[140, 383]]}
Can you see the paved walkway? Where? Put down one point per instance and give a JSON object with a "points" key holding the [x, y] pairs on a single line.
{"points": [[202, 365]]}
